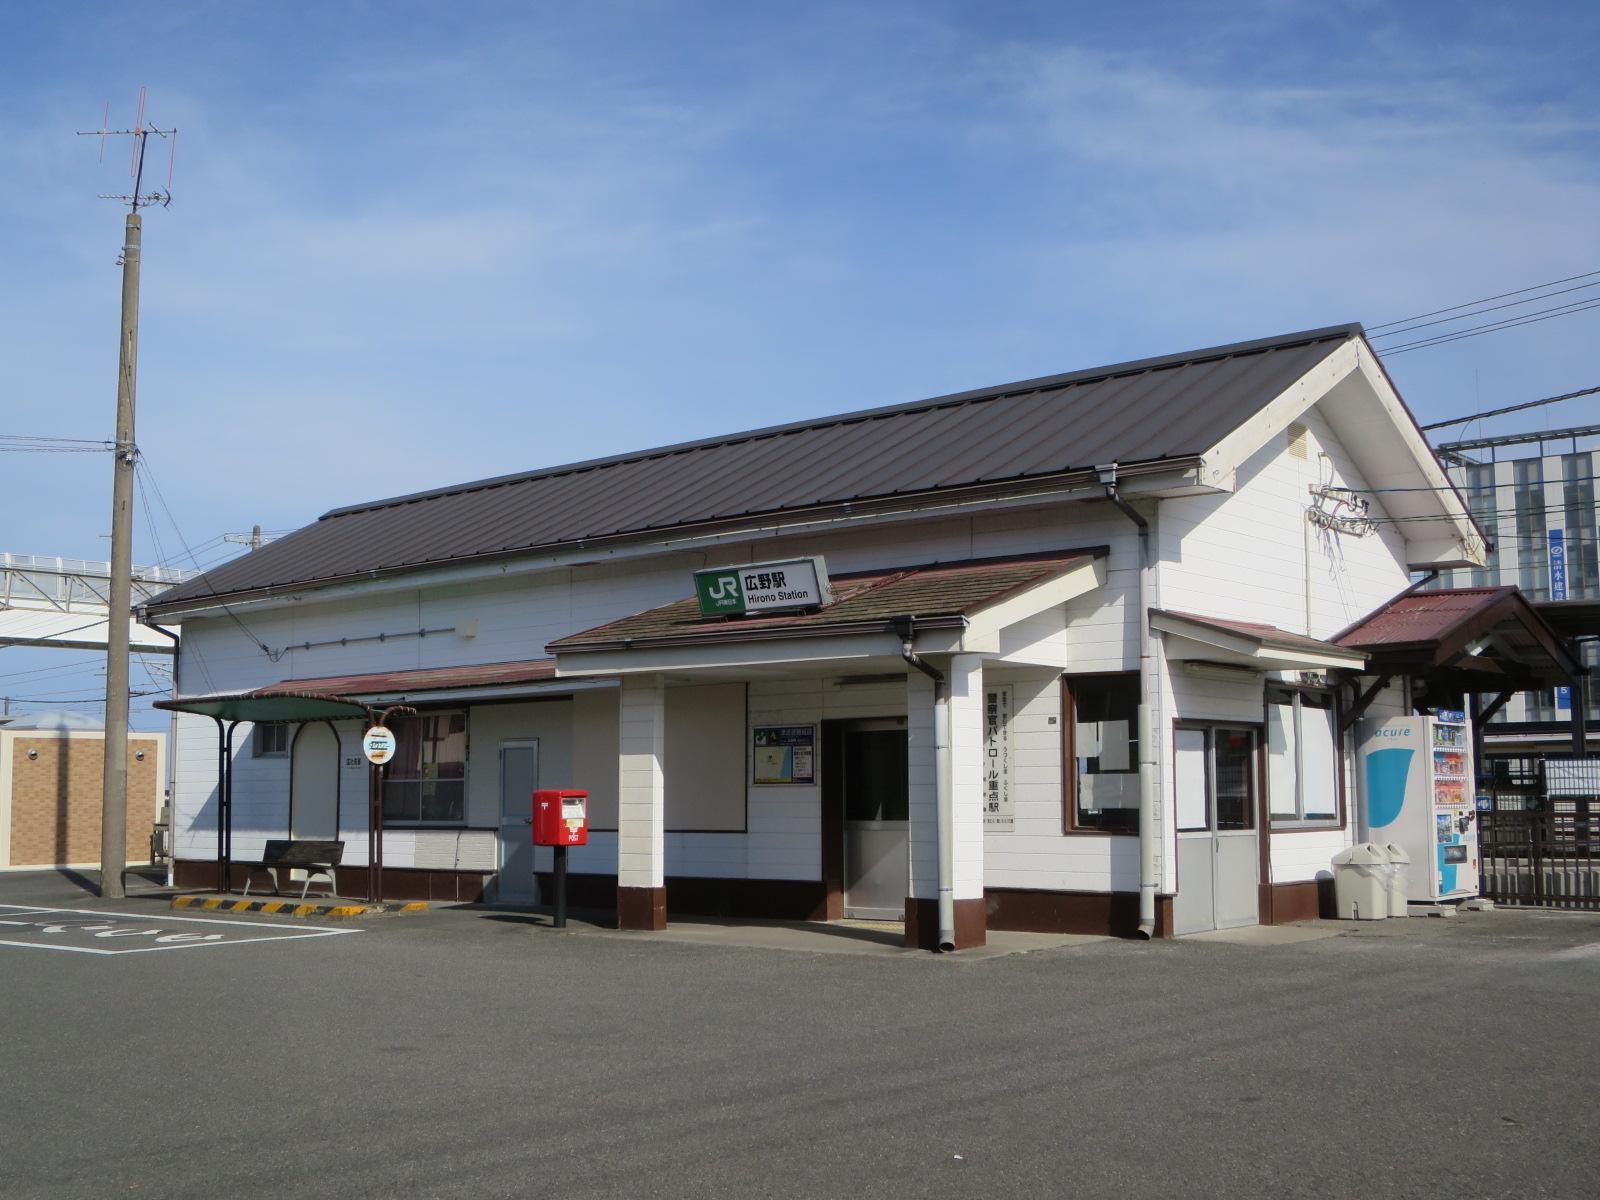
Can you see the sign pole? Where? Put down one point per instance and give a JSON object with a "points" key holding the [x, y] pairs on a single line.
{"points": [[561, 887]]}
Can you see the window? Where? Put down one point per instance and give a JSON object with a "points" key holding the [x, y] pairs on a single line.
{"points": [[1101, 780], [1214, 778], [269, 739], [1302, 757], [426, 783]]}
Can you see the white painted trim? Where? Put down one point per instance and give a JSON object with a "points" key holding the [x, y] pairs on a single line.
{"points": [[1217, 645], [1225, 458], [986, 623]]}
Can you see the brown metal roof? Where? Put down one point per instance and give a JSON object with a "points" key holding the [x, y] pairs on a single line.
{"points": [[330, 696], [1153, 411], [383, 683], [1266, 636], [1463, 639], [861, 602], [1421, 617]]}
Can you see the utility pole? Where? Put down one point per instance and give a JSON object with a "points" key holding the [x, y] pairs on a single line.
{"points": [[114, 793]]}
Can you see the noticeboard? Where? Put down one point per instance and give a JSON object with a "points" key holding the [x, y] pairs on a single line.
{"points": [[782, 754]]}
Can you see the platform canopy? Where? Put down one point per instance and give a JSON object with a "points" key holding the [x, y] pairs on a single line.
{"points": [[1464, 640], [267, 704]]}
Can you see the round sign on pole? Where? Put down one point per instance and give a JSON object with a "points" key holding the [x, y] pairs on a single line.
{"points": [[378, 745]]}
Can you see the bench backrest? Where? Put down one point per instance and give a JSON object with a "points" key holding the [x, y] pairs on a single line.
{"points": [[297, 853]]}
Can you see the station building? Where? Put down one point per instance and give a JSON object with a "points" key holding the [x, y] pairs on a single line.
{"points": [[1076, 664]]}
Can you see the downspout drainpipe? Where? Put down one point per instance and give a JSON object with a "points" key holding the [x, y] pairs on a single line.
{"points": [[945, 824], [1149, 723]]}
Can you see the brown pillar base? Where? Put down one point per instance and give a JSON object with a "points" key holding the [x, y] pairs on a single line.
{"points": [[642, 908], [922, 924]]}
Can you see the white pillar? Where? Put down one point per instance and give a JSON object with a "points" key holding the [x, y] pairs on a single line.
{"points": [[641, 841], [967, 763], [964, 854]]}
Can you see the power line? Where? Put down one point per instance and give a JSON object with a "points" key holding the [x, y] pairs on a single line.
{"points": [[1472, 489], [1478, 312], [143, 464], [1493, 327], [1510, 408], [1371, 329]]}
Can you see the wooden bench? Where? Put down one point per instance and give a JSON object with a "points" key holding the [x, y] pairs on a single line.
{"points": [[314, 858]]}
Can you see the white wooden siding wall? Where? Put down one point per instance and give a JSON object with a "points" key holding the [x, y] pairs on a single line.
{"points": [[517, 616], [1035, 853], [1242, 556], [1202, 541]]}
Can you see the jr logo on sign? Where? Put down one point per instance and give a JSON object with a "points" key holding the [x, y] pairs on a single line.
{"points": [[720, 593]]}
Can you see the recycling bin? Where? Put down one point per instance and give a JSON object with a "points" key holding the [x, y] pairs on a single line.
{"points": [[1361, 883], [1399, 878]]}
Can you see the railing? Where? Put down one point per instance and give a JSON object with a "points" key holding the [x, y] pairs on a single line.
{"points": [[1539, 842]]}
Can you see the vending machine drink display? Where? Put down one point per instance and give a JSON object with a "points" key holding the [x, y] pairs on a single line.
{"points": [[1417, 791]]}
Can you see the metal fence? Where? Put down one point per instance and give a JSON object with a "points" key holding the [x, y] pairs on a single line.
{"points": [[1539, 839]]}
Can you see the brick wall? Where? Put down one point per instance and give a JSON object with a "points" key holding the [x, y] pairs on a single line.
{"points": [[55, 799]]}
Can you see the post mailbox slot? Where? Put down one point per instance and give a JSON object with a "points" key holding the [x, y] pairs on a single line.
{"points": [[560, 817]]}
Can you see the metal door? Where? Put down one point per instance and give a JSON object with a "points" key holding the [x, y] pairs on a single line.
{"points": [[877, 824], [519, 776], [1219, 866]]}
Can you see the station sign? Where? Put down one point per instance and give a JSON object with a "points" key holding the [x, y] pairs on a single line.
{"points": [[763, 587], [378, 745]]}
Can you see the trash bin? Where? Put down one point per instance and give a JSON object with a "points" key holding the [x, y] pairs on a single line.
{"points": [[1399, 879], [1361, 883]]}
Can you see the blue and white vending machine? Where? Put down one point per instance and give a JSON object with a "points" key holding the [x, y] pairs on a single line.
{"points": [[1417, 791]]}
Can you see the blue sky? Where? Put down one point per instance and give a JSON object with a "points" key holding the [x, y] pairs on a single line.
{"points": [[416, 243]]}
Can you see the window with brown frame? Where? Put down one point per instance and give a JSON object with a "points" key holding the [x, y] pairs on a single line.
{"points": [[1303, 768], [426, 781], [1100, 760]]}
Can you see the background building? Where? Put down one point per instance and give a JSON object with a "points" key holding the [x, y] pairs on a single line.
{"points": [[1534, 496]]}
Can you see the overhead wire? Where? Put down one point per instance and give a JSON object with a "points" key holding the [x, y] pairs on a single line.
{"points": [[1533, 318], [143, 464], [1371, 329]]}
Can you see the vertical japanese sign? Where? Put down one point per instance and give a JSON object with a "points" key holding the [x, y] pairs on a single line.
{"points": [[998, 809], [1557, 541]]}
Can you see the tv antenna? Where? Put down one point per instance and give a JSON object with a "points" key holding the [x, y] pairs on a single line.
{"points": [[119, 599], [141, 132]]}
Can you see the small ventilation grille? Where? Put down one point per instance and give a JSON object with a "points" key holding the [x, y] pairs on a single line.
{"points": [[1299, 441]]}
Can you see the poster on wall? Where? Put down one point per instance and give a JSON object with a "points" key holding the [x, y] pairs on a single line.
{"points": [[784, 753], [998, 810]]}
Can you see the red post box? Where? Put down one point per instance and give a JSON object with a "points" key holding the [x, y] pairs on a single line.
{"points": [[560, 817]]}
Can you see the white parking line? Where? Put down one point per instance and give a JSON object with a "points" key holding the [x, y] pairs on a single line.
{"points": [[70, 928]]}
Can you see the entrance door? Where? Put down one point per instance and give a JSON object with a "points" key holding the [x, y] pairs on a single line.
{"points": [[877, 824], [519, 776], [1219, 865]]}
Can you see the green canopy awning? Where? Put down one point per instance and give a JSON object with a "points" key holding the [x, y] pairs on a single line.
{"points": [[267, 704]]}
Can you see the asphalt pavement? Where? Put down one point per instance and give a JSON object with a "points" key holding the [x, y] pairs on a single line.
{"points": [[468, 1053]]}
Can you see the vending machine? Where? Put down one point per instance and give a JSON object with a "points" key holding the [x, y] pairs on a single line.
{"points": [[1417, 791]]}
